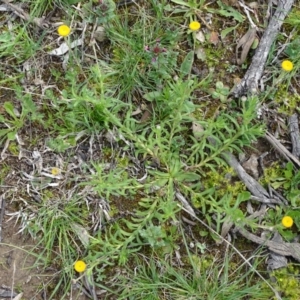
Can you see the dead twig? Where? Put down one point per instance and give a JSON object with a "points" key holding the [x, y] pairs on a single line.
{"points": [[275, 260], [282, 248], [295, 135], [259, 193], [185, 204], [2, 216], [246, 10], [6, 292], [282, 150], [88, 283], [245, 43]]}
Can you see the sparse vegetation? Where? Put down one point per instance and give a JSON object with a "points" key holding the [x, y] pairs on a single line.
{"points": [[114, 131]]}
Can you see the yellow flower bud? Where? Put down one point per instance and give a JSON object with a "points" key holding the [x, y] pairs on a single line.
{"points": [[64, 30], [80, 266], [194, 26], [287, 65], [55, 171], [287, 221]]}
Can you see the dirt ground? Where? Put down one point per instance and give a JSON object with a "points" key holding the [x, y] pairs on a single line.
{"points": [[16, 272]]}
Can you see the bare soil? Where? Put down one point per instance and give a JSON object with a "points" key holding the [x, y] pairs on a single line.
{"points": [[17, 273]]}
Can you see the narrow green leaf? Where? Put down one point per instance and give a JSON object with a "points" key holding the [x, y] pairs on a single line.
{"points": [[228, 11], [186, 66], [152, 96], [11, 135], [243, 196], [2, 119], [4, 131], [9, 109], [226, 31], [181, 2]]}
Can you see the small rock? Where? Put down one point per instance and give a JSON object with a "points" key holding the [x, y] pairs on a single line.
{"points": [[99, 34], [251, 165]]}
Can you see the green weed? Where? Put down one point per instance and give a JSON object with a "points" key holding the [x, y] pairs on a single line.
{"points": [[287, 280], [199, 278], [16, 44], [147, 60]]}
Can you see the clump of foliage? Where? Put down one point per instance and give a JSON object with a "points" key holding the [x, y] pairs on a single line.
{"points": [[155, 165], [286, 179], [287, 281], [222, 181]]}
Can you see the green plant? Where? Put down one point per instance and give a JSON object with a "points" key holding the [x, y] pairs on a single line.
{"points": [[154, 235], [228, 11], [220, 92], [58, 221], [58, 226], [286, 179], [140, 173], [293, 18], [143, 57], [15, 120], [287, 104], [231, 68], [225, 133], [199, 278], [14, 117], [5, 168], [13, 124], [292, 49], [16, 44], [189, 8], [124, 238], [194, 8], [102, 12], [287, 281], [223, 180], [113, 182]]}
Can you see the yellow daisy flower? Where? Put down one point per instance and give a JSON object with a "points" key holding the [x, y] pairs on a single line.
{"points": [[287, 221], [55, 171], [64, 30], [80, 266], [194, 26], [287, 65]]}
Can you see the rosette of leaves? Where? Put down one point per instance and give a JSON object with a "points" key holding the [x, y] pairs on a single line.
{"points": [[220, 92]]}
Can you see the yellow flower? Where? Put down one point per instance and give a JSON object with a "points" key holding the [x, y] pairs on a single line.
{"points": [[287, 65], [80, 266], [55, 171], [287, 221], [194, 26], [64, 30]]}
